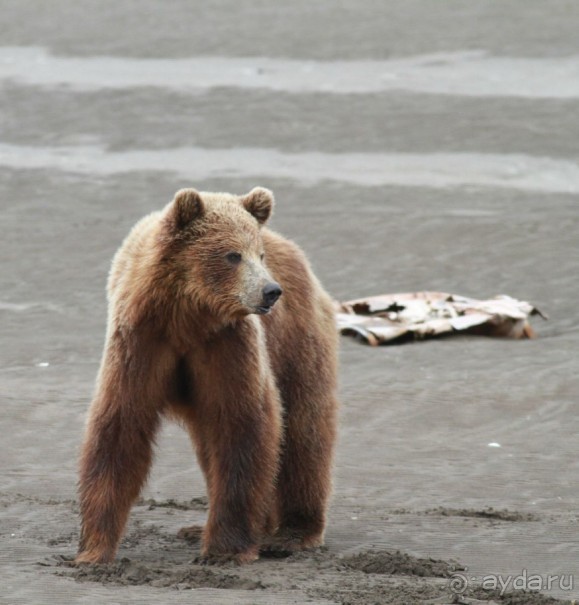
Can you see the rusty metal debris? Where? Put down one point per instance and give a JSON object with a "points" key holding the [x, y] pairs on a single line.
{"points": [[395, 318]]}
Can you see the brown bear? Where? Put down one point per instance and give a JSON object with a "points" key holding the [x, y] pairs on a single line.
{"points": [[196, 333]]}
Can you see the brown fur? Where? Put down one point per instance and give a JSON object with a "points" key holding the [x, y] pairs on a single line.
{"points": [[257, 394]]}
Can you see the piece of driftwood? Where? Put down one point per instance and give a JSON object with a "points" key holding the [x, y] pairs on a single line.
{"points": [[394, 318]]}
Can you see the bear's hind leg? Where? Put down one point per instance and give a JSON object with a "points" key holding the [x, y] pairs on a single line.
{"points": [[304, 481], [185, 415]]}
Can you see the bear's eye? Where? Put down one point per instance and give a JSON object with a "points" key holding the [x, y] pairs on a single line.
{"points": [[262, 256], [233, 257]]}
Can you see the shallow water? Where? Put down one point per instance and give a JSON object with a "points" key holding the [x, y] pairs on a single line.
{"points": [[437, 170], [470, 73]]}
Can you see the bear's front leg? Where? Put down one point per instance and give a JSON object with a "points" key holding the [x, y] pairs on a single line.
{"points": [[245, 435], [117, 450], [115, 462]]}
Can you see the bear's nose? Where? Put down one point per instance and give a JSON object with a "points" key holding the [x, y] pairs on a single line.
{"points": [[271, 292]]}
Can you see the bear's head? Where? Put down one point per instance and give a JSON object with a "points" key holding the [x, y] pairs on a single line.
{"points": [[217, 253]]}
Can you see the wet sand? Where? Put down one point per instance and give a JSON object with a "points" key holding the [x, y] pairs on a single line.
{"points": [[434, 184]]}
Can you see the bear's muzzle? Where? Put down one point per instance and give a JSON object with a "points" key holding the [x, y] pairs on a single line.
{"points": [[269, 296]]}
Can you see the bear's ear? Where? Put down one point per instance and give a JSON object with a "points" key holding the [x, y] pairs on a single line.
{"points": [[187, 207], [259, 203]]}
